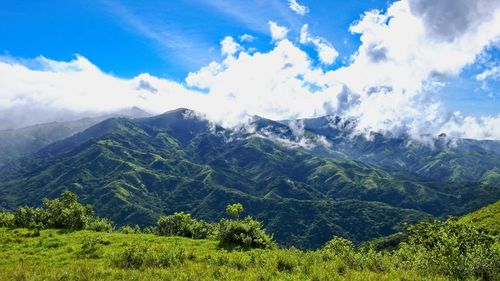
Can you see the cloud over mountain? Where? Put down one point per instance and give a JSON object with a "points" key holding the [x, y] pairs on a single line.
{"points": [[389, 84]]}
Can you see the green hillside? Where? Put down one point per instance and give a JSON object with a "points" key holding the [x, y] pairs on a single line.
{"points": [[16, 143], [437, 158], [487, 218], [85, 255], [133, 171]]}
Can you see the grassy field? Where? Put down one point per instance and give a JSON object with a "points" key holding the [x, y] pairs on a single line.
{"points": [[86, 255]]}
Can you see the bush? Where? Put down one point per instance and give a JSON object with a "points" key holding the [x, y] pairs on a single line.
{"points": [[7, 220], [182, 224], [65, 212], [99, 225], [246, 233], [450, 248], [91, 247], [341, 248], [139, 256], [29, 217]]}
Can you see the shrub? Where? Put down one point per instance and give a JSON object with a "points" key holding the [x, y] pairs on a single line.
{"points": [[65, 212], [246, 233], [139, 256], [29, 217], [91, 247], [458, 250], [338, 245], [341, 248], [7, 220], [99, 225], [182, 224]]}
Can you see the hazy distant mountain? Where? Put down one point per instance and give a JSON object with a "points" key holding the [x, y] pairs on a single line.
{"points": [[16, 143], [306, 183]]}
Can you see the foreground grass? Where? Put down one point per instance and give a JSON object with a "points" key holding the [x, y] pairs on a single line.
{"points": [[86, 255]]}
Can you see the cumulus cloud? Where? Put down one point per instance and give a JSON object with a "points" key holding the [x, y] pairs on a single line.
{"points": [[326, 52], [389, 85], [298, 8], [247, 38], [51, 90], [448, 19], [229, 47], [404, 52], [276, 85], [278, 32]]}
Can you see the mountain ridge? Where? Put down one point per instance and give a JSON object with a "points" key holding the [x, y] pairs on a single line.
{"points": [[134, 170]]}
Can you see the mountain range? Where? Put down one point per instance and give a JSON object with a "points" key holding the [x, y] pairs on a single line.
{"points": [[305, 179], [15, 143]]}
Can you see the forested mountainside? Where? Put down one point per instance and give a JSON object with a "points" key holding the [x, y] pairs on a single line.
{"points": [[305, 185]]}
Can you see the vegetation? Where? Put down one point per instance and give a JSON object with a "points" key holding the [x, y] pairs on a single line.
{"points": [[243, 234], [60, 213], [487, 218], [235, 248], [182, 224], [235, 210], [135, 171], [88, 255]]}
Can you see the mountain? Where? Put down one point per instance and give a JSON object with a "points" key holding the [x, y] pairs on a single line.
{"points": [[438, 158], [16, 143], [134, 170]]}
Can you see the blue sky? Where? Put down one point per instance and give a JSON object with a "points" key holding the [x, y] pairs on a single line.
{"points": [[107, 32], [173, 40]]}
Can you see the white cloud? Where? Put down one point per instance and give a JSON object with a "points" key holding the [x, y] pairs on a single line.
{"points": [[229, 47], [78, 88], [278, 32], [403, 51], [326, 52], [388, 86], [490, 73], [273, 85], [298, 8], [247, 38]]}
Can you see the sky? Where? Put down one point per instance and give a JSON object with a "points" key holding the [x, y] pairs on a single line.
{"points": [[409, 66]]}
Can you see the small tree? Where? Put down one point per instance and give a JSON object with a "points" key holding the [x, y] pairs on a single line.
{"points": [[235, 210]]}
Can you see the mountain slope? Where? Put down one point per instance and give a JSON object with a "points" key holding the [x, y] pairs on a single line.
{"points": [[437, 158], [135, 170], [17, 143], [487, 217]]}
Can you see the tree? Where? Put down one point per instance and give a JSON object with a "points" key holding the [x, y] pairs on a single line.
{"points": [[235, 210]]}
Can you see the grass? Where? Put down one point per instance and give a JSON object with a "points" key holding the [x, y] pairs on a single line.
{"points": [[86, 255]]}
